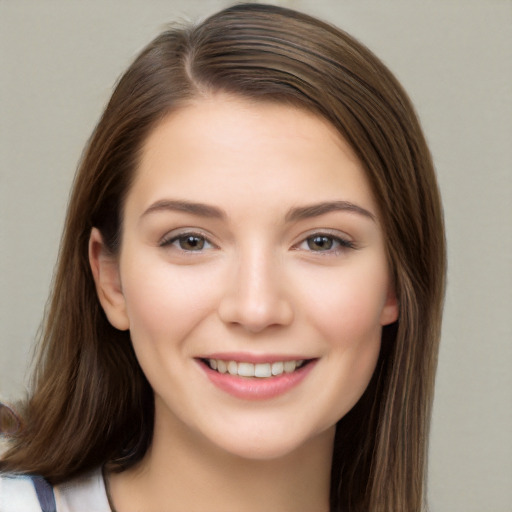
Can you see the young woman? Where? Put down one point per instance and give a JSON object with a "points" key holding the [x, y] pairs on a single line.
{"points": [[247, 305]]}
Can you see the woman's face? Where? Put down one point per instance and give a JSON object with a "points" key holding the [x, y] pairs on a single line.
{"points": [[252, 275]]}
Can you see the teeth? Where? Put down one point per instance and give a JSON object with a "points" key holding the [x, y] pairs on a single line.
{"points": [[262, 370], [246, 369], [277, 368], [233, 368], [259, 370], [289, 366]]}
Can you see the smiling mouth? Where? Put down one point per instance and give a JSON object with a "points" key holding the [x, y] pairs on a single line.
{"points": [[255, 370]]}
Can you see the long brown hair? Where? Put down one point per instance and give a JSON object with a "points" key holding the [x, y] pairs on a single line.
{"points": [[91, 403]]}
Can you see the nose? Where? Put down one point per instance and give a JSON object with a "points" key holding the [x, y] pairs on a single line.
{"points": [[255, 296]]}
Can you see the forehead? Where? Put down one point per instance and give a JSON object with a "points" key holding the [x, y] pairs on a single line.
{"points": [[226, 148]]}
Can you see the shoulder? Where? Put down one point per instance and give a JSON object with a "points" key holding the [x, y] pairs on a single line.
{"points": [[17, 492], [85, 493]]}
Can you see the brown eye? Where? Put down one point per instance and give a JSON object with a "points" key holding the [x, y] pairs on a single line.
{"points": [[186, 242], [320, 243], [191, 242], [326, 243]]}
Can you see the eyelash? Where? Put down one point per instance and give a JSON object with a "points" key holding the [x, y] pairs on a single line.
{"points": [[182, 237], [337, 244]]}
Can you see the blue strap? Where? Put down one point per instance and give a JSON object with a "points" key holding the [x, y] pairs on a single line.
{"points": [[44, 493]]}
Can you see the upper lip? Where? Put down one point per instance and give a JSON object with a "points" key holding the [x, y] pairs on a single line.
{"points": [[240, 357]]}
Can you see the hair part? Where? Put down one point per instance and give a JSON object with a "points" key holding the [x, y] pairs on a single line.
{"points": [[91, 403]]}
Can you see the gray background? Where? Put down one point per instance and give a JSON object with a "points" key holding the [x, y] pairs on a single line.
{"points": [[58, 62]]}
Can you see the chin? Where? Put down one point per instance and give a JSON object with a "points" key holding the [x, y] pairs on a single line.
{"points": [[262, 450], [268, 445]]}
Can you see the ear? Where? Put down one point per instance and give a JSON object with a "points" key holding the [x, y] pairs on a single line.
{"points": [[105, 270], [391, 308]]}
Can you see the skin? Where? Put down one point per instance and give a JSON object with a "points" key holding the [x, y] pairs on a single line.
{"points": [[255, 281]]}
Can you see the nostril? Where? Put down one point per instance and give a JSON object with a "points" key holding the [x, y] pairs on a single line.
{"points": [[254, 298], [256, 318]]}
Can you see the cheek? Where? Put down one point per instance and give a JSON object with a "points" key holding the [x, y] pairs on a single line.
{"points": [[347, 319], [345, 311], [348, 309], [165, 302]]}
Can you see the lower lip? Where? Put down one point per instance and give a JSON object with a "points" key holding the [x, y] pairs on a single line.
{"points": [[254, 388]]}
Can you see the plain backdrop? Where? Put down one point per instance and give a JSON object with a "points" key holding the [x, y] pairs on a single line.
{"points": [[58, 62]]}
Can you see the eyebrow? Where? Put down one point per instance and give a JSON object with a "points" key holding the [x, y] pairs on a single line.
{"points": [[293, 215], [200, 209], [315, 210]]}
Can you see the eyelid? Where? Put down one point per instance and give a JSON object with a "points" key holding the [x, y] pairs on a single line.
{"points": [[169, 238], [345, 241]]}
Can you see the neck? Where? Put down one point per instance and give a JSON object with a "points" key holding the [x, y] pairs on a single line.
{"points": [[185, 471]]}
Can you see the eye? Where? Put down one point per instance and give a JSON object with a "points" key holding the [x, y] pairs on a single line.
{"points": [[188, 242], [326, 243], [320, 243]]}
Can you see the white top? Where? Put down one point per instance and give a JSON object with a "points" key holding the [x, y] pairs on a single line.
{"points": [[85, 493]]}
